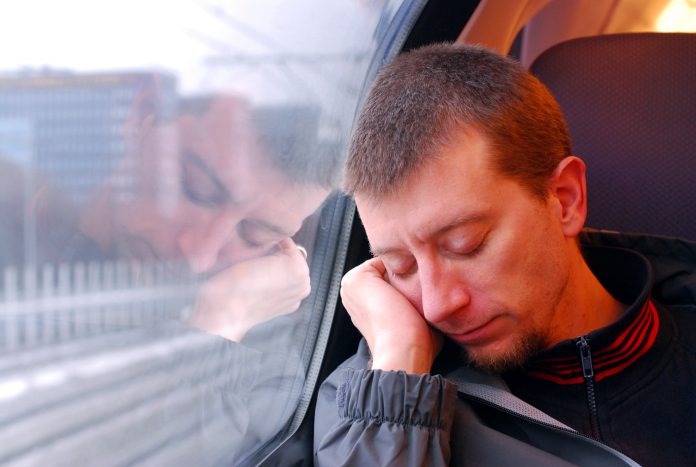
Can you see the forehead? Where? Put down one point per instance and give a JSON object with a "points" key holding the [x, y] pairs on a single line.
{"points": [[224, 139], [457, 183], [223, 133]]}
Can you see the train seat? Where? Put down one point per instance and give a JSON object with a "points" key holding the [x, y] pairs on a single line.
{"points": [[630, 102]]}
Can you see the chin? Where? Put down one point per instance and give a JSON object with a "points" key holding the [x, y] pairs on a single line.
{"points": [[500, 357]]}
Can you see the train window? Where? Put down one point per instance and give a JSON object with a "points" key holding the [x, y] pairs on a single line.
{"points": [[169, 222], [171, 233]]}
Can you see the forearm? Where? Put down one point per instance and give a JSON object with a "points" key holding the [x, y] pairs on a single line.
{"points": [[374, 417], [239, 379]]}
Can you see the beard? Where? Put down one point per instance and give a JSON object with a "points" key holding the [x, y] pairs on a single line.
{"points": [[514, 357]]}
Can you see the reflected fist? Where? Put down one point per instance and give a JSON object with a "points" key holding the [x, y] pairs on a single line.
{"points": [[253, 291]]}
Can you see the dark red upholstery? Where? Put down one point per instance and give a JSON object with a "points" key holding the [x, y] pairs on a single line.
{"points": [[630, 101]]}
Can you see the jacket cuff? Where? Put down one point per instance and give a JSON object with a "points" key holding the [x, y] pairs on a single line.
{"points": [[396, 397]]}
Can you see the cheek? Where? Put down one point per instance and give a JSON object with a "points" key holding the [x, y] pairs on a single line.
{"points": [[151, 220], [510, 275], [529, 247], [235, 249], [288, 220], [546, 275]]}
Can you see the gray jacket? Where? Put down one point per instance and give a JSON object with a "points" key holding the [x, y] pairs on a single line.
{"points": [[385, 418], [378, 418]]}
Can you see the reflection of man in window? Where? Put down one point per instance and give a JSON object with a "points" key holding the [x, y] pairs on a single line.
{"points": [[220, 191], [204, 189]]}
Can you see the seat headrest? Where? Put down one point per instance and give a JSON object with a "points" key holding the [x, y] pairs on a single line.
{"points": [[630, 103]]}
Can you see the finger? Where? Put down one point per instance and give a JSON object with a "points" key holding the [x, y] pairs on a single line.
{"points": [[286, 245], [376, 266], [289, 248]]}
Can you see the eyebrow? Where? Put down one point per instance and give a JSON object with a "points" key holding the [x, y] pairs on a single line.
{"points": [[457, 222]]}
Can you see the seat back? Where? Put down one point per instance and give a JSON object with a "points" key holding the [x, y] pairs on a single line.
{"points": [[630, 102]]}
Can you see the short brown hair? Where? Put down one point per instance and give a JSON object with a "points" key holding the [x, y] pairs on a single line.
{"points": [[427, 95]]}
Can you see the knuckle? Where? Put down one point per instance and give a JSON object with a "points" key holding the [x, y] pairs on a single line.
{"points": [[307, 291], [349, 278]]}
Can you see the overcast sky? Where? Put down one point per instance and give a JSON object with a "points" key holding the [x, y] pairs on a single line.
{"points": [[183, 36]]}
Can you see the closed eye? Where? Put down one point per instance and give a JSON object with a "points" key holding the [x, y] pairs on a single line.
{"points": [[401, 269], [200, 185], [463, 246], [470, 252]]}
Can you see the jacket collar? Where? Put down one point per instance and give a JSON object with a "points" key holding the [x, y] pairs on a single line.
{"points": [[672, 261], [628, 276]]}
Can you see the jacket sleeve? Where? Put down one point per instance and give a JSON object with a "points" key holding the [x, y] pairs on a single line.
{"points": [[156, 395], [385, 418], [219, 400]]}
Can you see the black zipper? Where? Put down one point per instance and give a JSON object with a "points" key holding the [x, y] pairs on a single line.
{"points": [[588, 376]]}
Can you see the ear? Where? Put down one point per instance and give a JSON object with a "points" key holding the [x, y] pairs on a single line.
{"points": [[569, 191], [142, 111]]}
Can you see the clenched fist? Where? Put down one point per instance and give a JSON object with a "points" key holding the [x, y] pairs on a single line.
{"points": [[398, 336], [253, 291]]}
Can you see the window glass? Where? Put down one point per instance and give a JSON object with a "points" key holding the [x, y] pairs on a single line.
{"points": [[166, 176]]}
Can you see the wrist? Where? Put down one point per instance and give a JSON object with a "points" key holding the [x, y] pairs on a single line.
{"points": [[231, 332], [410, 359], [212, 320]]}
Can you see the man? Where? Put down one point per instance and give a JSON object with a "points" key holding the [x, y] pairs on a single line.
{"points": [[205, 189], [461, 171], [215, 196], [218, 190]]}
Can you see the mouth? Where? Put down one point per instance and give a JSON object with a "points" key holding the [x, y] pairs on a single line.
{"points": [[479, 335]]}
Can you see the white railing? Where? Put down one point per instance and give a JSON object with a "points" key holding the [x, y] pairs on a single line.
{"points": [[85, 380], [58, 303]]}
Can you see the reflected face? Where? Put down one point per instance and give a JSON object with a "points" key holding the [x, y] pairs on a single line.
{"points": [[199, 189], [478, 256]]}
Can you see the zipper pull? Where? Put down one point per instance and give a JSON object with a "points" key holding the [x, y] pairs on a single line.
{"points": [[585, 357]]}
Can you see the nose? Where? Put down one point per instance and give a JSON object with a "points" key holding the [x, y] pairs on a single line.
{"points": [[443, 291], [206, 240]]}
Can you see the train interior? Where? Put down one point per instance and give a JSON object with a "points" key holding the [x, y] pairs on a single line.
{"points": [[82, 384]]}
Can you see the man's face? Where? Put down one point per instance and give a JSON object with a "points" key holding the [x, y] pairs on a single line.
{"points": [[199, 189], [482, 259]]}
